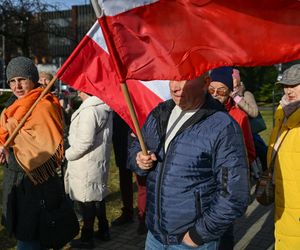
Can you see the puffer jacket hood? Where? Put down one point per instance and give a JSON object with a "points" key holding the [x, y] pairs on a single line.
{"points": [[93, 101]]}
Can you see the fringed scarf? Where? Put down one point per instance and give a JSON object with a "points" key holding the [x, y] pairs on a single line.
{"points": [[38, 146]]}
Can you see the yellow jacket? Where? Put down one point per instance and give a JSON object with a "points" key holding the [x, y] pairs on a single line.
{"points": [[287, 180]]}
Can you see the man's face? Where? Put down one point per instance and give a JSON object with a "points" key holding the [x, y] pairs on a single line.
{"points": [[189, 94], [292, 92], [20, 86], [219, 91], [43, 80]]}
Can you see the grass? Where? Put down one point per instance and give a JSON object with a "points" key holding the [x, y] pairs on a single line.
{"points": [[113, 200], [268, 117]]}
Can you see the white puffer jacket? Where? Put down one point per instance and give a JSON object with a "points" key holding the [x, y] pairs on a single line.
{"points": [[90, 139]]}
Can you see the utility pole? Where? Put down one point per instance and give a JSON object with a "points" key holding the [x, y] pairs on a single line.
{"points": [[3, 59]]}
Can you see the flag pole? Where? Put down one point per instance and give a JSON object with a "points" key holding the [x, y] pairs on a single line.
{"points": [[99, 13], [134, 118], [23, 120]]}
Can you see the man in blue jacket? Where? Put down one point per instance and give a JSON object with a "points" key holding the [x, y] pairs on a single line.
{"points": [[197, 172]]}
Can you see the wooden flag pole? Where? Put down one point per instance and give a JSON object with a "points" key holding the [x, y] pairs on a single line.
{"points": [[134, 118], [20, 125], [99, 12]]}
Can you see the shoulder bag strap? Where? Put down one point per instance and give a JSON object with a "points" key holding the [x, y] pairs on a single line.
{"points": [[275, 151]]}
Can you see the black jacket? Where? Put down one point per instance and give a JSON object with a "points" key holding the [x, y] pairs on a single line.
{"points": [[22, 202]]}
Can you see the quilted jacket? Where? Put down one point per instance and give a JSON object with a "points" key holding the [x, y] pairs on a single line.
{"points": [[200, 184]]}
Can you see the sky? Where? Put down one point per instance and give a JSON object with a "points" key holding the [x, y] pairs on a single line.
{"points": [[66, 4]]}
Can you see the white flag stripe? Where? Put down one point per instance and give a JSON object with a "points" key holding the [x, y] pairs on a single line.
{"points": [[96, 34], [159, 87], [115, 7]]}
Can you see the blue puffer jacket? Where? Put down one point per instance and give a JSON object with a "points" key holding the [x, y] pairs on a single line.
{"points": [[201, 183]]}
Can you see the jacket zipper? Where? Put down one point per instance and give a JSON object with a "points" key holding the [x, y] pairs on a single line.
{"points": [[161, 173], [181, 129], [159, 187]]}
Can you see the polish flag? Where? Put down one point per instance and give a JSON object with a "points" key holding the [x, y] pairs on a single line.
{"points": [[181, 39], [90, 69]]}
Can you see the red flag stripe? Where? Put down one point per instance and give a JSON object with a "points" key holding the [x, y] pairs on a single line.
{"points": [[182, 39], [90, 69]]}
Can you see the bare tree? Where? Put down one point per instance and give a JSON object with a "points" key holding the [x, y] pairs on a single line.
{"points": [[25, 25]]}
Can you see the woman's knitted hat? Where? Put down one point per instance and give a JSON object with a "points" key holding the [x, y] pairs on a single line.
{"points": [[22, 67], [223, 75]]}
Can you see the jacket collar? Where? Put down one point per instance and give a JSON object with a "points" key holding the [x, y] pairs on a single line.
{"points": [[292, 121], [163, 112], [91, 101]]}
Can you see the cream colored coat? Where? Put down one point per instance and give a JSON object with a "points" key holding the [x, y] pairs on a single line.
{"points": [[90, 139], [287, 181]]}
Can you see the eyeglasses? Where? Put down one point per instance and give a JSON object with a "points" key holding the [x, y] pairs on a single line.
{"points": [[13, 82], [219, 91]]}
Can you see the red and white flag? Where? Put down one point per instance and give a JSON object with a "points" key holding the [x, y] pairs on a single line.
{"points": [[181, 39], [90, 69]]}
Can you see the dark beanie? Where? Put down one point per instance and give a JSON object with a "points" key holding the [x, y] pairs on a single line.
{"points": [[22, 67], [223, 75]]}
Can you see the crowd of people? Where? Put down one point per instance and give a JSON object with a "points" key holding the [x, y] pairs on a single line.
{"points": [[191, 186]]}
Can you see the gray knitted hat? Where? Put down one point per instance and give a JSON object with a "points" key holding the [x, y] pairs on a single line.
{"points": [[22, 67]]}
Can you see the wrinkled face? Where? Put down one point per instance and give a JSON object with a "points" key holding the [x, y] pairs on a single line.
{"points": [[44, 81], [292, 92], [219, 91], [21, 86], [189, 94]]}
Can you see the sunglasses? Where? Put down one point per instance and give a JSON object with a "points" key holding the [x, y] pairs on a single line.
{"points": [[219, 91]]}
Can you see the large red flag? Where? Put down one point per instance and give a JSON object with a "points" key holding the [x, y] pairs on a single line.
{"points": [[181, 39], [90, 69]]}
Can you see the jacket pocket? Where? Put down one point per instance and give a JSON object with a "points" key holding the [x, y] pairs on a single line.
{"points": [[198, 204], [224, 182]]}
